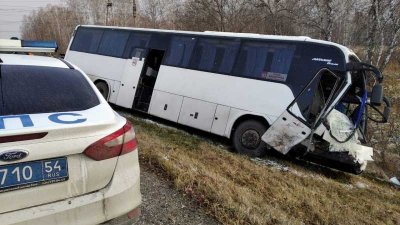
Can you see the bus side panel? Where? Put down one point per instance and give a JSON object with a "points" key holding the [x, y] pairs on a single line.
{"points": [[220, 120], [236, 114], [114, 92], [198, 114], [106, 67], [165, 105], [254, 96]]}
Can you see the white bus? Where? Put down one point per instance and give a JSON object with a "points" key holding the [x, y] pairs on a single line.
{"points": [[257, 90]]}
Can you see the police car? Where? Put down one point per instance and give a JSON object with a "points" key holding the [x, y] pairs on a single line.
{"points": [[65, 156]]}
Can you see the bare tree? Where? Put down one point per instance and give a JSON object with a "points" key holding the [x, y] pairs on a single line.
{"points": [[219, 15], [383, 31], [370, 25], [50, 23], [319, 15], [278, 14]]}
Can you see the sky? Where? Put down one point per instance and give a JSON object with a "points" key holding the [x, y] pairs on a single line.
{"points": [[13, 11]]}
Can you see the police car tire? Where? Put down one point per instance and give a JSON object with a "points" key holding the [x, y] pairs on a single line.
{"points": [[103, 88], [252, 128]]}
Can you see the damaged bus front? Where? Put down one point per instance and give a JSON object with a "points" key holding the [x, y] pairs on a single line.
{"points": [[327, 121]]}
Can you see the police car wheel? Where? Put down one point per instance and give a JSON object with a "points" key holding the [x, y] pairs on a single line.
{"points": [[103, 88], [247, 138]]}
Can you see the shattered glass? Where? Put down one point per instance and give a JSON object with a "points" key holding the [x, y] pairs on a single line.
{"points": [[341, 128]]}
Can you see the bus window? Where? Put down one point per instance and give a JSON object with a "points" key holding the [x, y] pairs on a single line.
{"points": [[180, 51], [136, 45], [113, 43], [215, 55], [316, 96], [265, 61], [86, 40]]}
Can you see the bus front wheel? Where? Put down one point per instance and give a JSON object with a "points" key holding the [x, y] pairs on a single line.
{"points": [[247, 138], [103, 88]]}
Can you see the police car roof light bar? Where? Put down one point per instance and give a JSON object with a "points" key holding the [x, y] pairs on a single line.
{"points": [[7, 45]]}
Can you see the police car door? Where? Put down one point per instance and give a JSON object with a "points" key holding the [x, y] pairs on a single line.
{"points": [[304, 114]]}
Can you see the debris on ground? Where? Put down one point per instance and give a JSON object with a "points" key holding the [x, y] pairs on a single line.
{"points": [[361, 185], [271, 163], [395, 181]]}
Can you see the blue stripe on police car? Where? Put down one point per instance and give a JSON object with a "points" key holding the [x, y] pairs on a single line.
{"points": [[55, 118]]}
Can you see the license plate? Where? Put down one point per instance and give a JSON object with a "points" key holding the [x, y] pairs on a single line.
{"points": [[31, 174]]}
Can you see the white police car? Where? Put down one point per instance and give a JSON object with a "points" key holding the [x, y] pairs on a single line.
{"points": [[65, 156]]}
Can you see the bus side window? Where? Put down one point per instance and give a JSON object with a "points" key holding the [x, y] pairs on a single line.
{"points": [[136, 45], [215, 55], [86, 40], [264, 60], [316, 96], [180, 51], [113, 43]]}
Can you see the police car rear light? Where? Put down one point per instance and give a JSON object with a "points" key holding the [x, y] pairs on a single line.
{"points": [[130, 141], [118, 143]]}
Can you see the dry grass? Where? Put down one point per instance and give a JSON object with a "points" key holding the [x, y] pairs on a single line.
{"points": [[386, 138], [237, 190]]}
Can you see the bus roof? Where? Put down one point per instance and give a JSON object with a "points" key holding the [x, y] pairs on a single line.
{"points": [[345, 49]]}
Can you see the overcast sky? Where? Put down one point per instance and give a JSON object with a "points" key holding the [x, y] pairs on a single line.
{"points": [[12, 12]]}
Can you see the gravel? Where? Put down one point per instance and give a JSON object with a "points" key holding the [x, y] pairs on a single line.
{"points": [[162, 204]]}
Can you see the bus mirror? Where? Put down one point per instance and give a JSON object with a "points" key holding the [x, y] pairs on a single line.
{"points": [[377, 95], [384, 116]]}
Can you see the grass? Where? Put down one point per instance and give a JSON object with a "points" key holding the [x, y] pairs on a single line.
{"points": [[386, 138], [236, 190]]}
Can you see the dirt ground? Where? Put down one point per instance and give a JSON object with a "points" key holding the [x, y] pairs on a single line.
{"points": [[162, 204]]}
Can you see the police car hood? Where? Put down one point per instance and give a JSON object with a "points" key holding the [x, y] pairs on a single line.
{"points": [[97, 121]]}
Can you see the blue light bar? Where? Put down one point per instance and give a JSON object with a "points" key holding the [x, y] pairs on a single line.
{"points": [[39, 44], [7, 45]]}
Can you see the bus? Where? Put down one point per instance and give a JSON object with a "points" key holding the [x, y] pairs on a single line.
{"points": [[296, 95]]}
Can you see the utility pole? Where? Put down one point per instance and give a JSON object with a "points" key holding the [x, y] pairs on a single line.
{"points": [[109, 5], [134, 12]]}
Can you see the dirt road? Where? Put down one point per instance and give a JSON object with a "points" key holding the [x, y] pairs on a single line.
{"points": [[162, 204]]}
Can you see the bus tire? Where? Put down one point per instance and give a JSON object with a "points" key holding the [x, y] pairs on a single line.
{"points": [[103, 88], [247, 138]]}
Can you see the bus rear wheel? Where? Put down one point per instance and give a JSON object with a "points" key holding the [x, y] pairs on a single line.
{"points": [[103, 88], [247, 138]]}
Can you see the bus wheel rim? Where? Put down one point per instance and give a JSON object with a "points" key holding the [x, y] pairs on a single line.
{"points": [[251, 139]]}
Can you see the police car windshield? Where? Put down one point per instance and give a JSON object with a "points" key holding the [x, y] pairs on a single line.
{"points": [[37, 89]]}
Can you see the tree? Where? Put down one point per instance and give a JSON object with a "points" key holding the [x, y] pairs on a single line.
{"points": [[218, 15], [383, 31], [370, 25], [279, 15], [51, 23]]}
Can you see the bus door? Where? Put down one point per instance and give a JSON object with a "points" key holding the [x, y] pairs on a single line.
{"points": [[135, 50], [305, 113], [147, 80], [130, 78]]}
